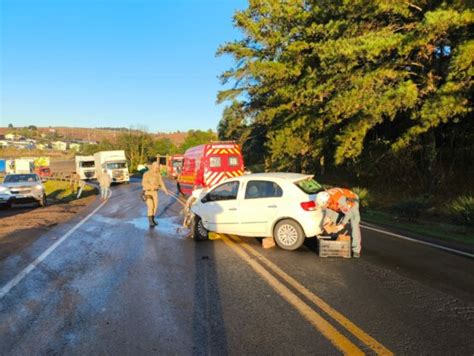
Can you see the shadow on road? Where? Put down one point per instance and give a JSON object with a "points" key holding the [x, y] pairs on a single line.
{"points": [[209, 336], [17, 210]]}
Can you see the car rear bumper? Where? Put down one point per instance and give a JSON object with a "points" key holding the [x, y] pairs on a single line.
{"points": [[312, 223]]}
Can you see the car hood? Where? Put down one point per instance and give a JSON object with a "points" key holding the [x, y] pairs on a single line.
{"points": [[20, 184]]}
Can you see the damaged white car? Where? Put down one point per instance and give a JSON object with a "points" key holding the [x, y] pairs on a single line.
{"points": [[281, 205]]}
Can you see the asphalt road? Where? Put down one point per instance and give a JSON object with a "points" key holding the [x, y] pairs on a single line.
{"points": [[113, 286]]}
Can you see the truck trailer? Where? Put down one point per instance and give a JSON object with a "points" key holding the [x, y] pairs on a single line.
{"points": [[66, 166]]}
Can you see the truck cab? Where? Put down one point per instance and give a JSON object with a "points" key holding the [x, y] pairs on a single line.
{"points": [[85, 167], [114, 163]]}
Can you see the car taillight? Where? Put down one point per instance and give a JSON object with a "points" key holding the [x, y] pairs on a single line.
{"points": [[308, 205]]}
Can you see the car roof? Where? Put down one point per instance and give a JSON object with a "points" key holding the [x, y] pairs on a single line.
{"points": [[291, 177]]}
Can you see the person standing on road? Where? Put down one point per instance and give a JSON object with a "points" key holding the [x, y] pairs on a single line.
{"points": [[152, 181], [104, 182], [336, 201]]}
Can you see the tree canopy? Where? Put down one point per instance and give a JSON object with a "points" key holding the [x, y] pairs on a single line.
{"points": [[332, 81]]}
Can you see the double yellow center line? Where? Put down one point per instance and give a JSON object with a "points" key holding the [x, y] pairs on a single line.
{"points": [[262, 266]]}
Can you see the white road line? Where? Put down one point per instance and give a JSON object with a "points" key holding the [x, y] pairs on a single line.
{"points": [[420, 241], [20, 276]]}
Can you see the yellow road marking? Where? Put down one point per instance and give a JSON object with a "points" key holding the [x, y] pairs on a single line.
{"points": [[341, 319], [322, 325]]}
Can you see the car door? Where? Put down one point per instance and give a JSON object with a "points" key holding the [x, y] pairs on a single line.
{"points": [[219, 208], [259, 207]]}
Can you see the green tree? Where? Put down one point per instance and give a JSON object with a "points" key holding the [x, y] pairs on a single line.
{"points": [[232, 126], [138, 146], [197, 137], [328, 78], [164, 146]]}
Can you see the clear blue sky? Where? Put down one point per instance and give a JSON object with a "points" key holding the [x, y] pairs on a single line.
{"points": [[96, 63]]}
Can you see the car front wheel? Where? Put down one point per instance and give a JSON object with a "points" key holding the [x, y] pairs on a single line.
{"points": [[199, 231], [288, 235], [43, 201]]}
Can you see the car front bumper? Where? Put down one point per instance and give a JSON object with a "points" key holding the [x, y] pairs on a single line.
{"points": [[21, 198]]}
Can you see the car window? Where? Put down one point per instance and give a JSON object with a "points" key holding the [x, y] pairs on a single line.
{"points": [[262, 189], [215, 162], [225, 191], [233, 161], [309, 186]]}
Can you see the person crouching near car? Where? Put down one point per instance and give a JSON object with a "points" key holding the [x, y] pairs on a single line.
{"points": [[338, 201], [152, 181], [104, 183]]}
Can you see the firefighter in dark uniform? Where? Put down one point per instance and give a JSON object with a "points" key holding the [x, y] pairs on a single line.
{"points": [[152, 181]]}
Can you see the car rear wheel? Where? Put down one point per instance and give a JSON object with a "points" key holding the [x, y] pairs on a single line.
{"points": [[288, 235], [199, 231]]}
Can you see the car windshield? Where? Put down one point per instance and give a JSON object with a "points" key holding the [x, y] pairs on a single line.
{"points": [[116, 165], [87, 164], [309, 186], [18, 178], [177, 164]]}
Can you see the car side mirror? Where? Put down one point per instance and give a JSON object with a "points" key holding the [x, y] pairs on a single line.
{"points": [[205, 199]]}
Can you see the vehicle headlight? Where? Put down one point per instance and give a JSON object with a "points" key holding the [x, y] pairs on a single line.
{"points": [[3, 189], [38, 187]]}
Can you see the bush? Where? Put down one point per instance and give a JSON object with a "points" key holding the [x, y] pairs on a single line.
{"points": [[462, 210], [409, 209], [365, 199]]}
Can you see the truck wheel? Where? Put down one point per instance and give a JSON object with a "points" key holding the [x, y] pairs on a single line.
{"points": [[199, 231], [288, 235]]}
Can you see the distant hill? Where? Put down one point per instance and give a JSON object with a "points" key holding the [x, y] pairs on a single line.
{"points": [[99, 134]]}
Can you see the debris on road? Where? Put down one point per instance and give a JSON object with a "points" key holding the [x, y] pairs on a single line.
{"points": [[214, 236], [330, 248], [268, 242]]}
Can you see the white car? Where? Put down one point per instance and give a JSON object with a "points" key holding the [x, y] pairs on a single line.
{"points": [[281, 205], [22, 188]]}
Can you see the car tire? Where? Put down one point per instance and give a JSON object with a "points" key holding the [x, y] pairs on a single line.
{"points": [[43, 202], [199, 231], [288, 234]]}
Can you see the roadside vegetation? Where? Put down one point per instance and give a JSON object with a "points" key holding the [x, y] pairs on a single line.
{"points": [[63, 192], [140, 146], [373, 94]]}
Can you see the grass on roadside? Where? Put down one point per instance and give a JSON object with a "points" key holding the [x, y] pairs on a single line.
{"points": [[62, 192], [442, 231]]}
